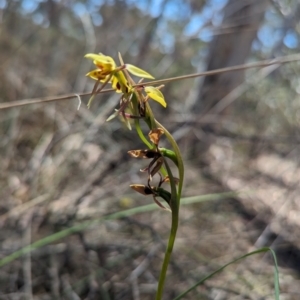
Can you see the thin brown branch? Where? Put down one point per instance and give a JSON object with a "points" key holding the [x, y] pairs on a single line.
{"points": [[259, 64], [18, 103]]}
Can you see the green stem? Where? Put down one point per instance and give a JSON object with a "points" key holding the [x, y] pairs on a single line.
{"points": [[167, 258], [141, 134], [175, 204], [172, 236], [175, 195], [139, 130], [179, 159], [169, 154], [134, 105]]}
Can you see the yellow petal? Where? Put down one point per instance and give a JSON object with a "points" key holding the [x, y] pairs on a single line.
{"points": [[115, 84], [96, 74], [106, 63], [138, 72], [120, 84], [100, 58], [156, 95]]}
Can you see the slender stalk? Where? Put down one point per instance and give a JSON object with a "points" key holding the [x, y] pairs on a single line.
{"points": [[172, 236], [137, 123], [169, 250], [180, 165], [141, 134], [175, 202], [175, 195]]}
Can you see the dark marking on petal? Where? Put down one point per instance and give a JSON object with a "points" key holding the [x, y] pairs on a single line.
{"points": [[148, 191], [151, 154]]}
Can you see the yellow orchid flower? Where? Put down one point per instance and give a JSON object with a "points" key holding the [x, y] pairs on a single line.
{"points": [[108, 72], [106, 67], [105, 64]]}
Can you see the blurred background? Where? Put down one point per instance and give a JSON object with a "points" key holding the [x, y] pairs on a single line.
{"points": [[238, 132]]}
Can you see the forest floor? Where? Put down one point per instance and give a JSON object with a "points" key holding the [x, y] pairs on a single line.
{"points": [[66, 180]]}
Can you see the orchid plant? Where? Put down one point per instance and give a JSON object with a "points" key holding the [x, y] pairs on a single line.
{"points": [[134, 98]]}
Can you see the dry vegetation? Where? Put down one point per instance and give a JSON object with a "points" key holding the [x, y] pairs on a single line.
{"points": [[61, 166]]}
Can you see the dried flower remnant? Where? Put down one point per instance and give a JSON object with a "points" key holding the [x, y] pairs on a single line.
{"points": [[155, 164], [157, 158], [155, 192], [143, 153], [155, 134]]}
